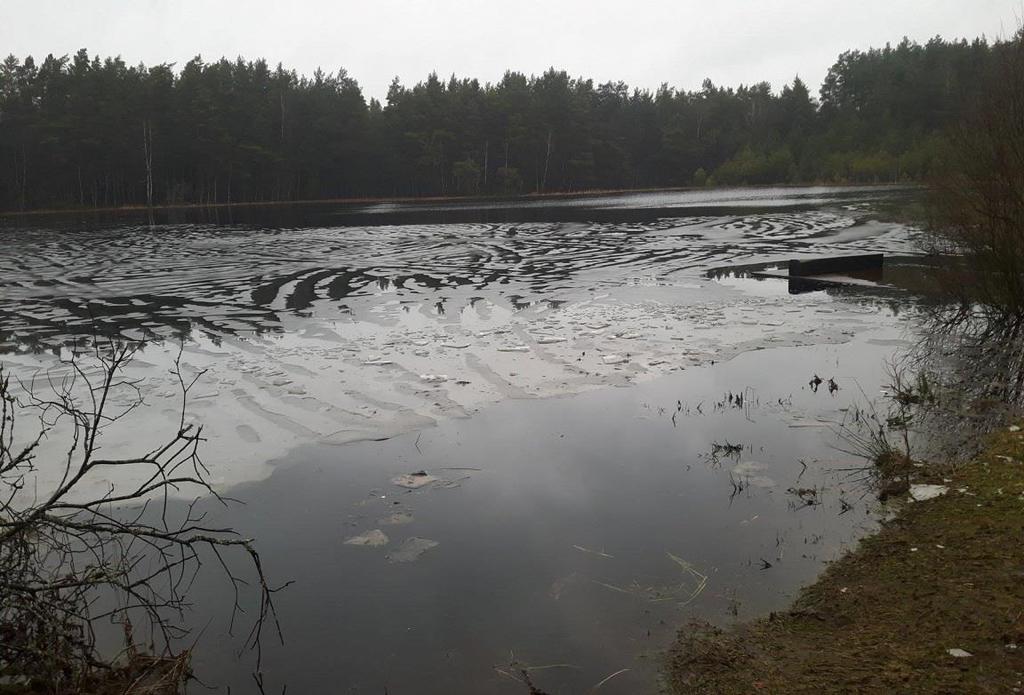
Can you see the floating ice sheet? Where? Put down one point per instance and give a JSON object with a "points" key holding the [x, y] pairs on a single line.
{"points": [[411, 549], [414, 481], [373, 539]]}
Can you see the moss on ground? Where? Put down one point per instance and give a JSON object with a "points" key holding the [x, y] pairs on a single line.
{"points": [[947, 573]]}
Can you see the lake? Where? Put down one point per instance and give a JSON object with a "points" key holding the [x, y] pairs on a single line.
{"points": [[601, 439]]}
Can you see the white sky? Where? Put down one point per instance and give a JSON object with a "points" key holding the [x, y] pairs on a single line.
{"points": [[642, 42]]}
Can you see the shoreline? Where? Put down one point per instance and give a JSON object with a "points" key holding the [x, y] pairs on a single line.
{"points": [[945, 569], [405, 200]]}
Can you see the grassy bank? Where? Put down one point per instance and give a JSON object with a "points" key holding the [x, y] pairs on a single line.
{"points": [[946, 573]]}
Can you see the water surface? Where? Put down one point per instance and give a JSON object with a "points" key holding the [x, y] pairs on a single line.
{"points": [[343, 323], [567, 372], [560, 525]]}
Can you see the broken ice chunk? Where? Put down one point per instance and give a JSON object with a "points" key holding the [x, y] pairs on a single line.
{"points": [[413, 481], [397, 518], [411, 549], [372, 539]]}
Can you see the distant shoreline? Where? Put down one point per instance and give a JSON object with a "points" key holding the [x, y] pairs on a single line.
{"points": [[369, 200]]}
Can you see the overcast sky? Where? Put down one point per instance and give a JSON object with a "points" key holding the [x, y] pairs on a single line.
{"points": [[642, 42]]}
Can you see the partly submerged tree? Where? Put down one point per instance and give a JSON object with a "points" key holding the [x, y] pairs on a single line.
{"points": [[977, 226], [70, 558], [978, 200]]}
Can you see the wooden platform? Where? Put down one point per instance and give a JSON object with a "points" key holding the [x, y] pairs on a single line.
{"points": [[818, 273], [836, 265]]}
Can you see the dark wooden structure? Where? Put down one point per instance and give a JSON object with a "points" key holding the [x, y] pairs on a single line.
{"points": [[838, 265]]}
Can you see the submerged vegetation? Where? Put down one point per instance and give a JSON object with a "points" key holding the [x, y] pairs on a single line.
{"points": [[84, 131]]}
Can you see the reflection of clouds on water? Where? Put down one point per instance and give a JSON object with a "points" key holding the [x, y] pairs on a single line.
{"points": [[580, 531], [570, 537], [343, 333]]}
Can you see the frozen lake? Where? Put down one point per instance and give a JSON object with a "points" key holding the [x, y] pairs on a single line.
{"points": [[318, 326], [566, 523]]}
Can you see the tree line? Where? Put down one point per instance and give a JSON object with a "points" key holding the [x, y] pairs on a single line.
{"points": [[83, 131]]}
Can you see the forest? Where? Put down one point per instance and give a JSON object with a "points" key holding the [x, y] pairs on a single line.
{"points": [[82, 131]]}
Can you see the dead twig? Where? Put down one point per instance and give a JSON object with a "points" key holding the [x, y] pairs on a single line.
{"points": [[62, 549]]}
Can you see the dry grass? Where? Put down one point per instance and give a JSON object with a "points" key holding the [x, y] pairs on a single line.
{"points": [[140, 674]]}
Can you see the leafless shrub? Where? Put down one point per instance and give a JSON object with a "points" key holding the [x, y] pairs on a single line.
{"points": [[974, 338], [882, 430], [977, 205], [69, 559], [865, 435], [976, 381], [942, 397]]}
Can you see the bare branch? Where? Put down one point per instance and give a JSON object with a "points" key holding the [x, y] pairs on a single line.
{"points": [[60, 554]]}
